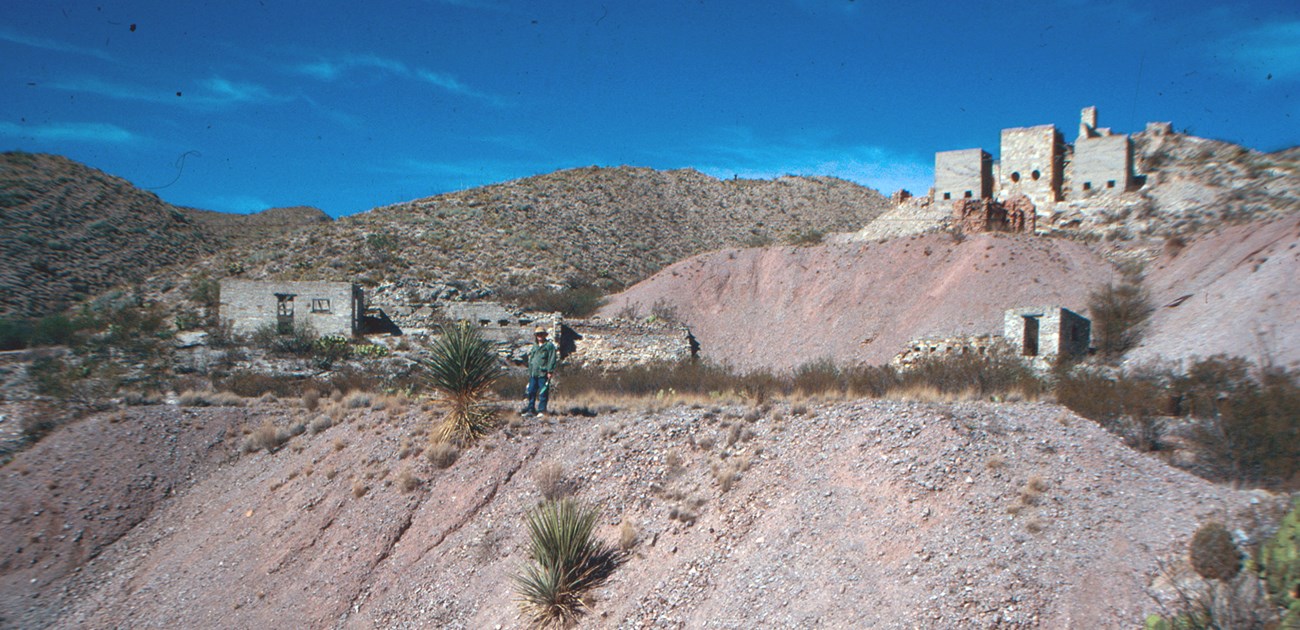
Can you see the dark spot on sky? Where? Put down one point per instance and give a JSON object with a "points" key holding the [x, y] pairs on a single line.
{"points": [[132, 28], [178, 94], [1269, 77]]}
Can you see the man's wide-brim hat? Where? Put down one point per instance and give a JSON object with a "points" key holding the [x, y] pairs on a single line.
{"points": [[539, 331]]}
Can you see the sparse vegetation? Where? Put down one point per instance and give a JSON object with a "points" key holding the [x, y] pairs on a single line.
{"points": [[1119, 314], [1213, 553], [550, 480], [463, 368], [443, 454], [565, 561]]}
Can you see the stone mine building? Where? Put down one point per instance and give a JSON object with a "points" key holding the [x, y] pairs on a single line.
{"points": [[1045, 333], [1037, 164], [330, 308]]}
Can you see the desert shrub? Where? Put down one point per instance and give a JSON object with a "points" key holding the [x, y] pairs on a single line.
{"points": [[577, 301], [328, 350], [1279, 560], [1213, 553], [565, 561], [443, 454], [300, 342], [756, 240], [1119, 314], [311, 400], [205, 292], [821, 376], [1128, 405], [1245, 429], [463, 368], [265, 437], [805, 238], [971, 373], [663, 311], [251, 384], [37, 424], [550, 480]]}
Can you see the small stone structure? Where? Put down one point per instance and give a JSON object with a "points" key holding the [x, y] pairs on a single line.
{"points": [[1045, 333], [963, 174], [611, 343], [329, 308]]}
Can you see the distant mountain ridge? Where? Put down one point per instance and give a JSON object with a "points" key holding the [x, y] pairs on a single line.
{"points": [[69, 232], [612, 226]]}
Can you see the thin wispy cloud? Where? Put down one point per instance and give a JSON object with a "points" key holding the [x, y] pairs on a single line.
{"points": [[333, 69], [1268, 52], [70, 132], [52, 45], [739, 152], [237, 204], [210, 92]]}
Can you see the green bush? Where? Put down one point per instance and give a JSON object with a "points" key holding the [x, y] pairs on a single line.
{"points": [[565, 561], [1279, 561], [1213, 553], [301, 342], [805, 238], [577, 302]]}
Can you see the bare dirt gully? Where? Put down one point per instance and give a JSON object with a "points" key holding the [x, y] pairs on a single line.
{"points": [[846, 514]]}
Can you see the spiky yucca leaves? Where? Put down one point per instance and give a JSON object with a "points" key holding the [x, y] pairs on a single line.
{"points": [[566, 562], [463, 369]]}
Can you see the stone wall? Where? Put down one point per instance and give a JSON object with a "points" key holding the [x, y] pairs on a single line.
{"points": [[963, 174], [1046, 333], [1102, 164], [987, 215], [614, 343], [926, 348], [1031, 164], [330, 308]]}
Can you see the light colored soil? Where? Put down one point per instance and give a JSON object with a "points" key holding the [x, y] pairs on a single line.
{"points": [[1235, 291], [855, 514], [780, 307]]}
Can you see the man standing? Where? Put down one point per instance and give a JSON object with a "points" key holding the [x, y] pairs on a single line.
{"points": [[541, 366]]}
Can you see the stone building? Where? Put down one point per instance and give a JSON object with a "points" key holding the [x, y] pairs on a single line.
{"points": [[1036, 163], [990, 215], [329, 308], [963, 174], [1032, 163], [1045, 333], [1102, 161]]}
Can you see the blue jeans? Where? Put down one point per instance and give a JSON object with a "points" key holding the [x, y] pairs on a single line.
{"points": [[539, 391]]}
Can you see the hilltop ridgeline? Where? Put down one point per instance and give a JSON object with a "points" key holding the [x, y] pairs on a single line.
{"points": [[69, 232], [606, 226]]}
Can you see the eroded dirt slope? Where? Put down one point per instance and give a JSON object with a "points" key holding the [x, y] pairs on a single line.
{"points": [[1235, 291], [860, 514], [781, 307]]}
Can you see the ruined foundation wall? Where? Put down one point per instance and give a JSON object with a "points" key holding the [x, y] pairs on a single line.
{"points": [[330, 308]]}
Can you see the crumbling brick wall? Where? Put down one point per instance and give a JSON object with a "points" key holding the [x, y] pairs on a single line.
{"points": [[987, 215]]}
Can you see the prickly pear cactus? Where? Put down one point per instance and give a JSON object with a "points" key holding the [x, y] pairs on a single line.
{"points": [[1280, 563]]}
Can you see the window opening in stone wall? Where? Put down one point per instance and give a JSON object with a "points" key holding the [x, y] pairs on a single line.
{"points": [[320, 305], [1031, 336], [284, 313], [947, 196], [1035, 175], [1015, 177], [1110, 183], [1087, 185], [967, 195]]}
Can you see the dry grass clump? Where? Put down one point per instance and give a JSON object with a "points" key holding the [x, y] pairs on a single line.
{"points": [[407, 481], [627, 535], [729, 472], [320, 424], [443, 454], [311, 400], [267, 399], [194, 398], [359, 488], [550, 480], [565, 561], [358, 400], [265, 437]]}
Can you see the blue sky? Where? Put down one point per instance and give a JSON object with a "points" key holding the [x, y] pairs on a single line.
{"points": [[240, 105]]}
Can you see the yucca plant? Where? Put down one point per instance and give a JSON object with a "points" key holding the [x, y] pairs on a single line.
{"points": [[463, 369], [566, 561]]}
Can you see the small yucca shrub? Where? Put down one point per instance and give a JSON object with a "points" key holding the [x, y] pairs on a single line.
{"points": [[566, 561], [463, 369]]}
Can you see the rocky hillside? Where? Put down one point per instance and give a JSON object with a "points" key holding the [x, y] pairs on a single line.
{"points": [[857, 514], [778, 308], [68, 231], [608, 226]]}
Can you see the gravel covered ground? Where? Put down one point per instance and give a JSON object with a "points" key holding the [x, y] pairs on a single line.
{"points": [[849, 514]]}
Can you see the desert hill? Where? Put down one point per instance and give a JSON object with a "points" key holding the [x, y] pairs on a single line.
{"points": [[781, 307], [856, 514], [68, 232], [609, 226]]}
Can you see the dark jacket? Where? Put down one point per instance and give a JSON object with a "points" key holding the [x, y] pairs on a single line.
{"points": [[542, 359]]}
